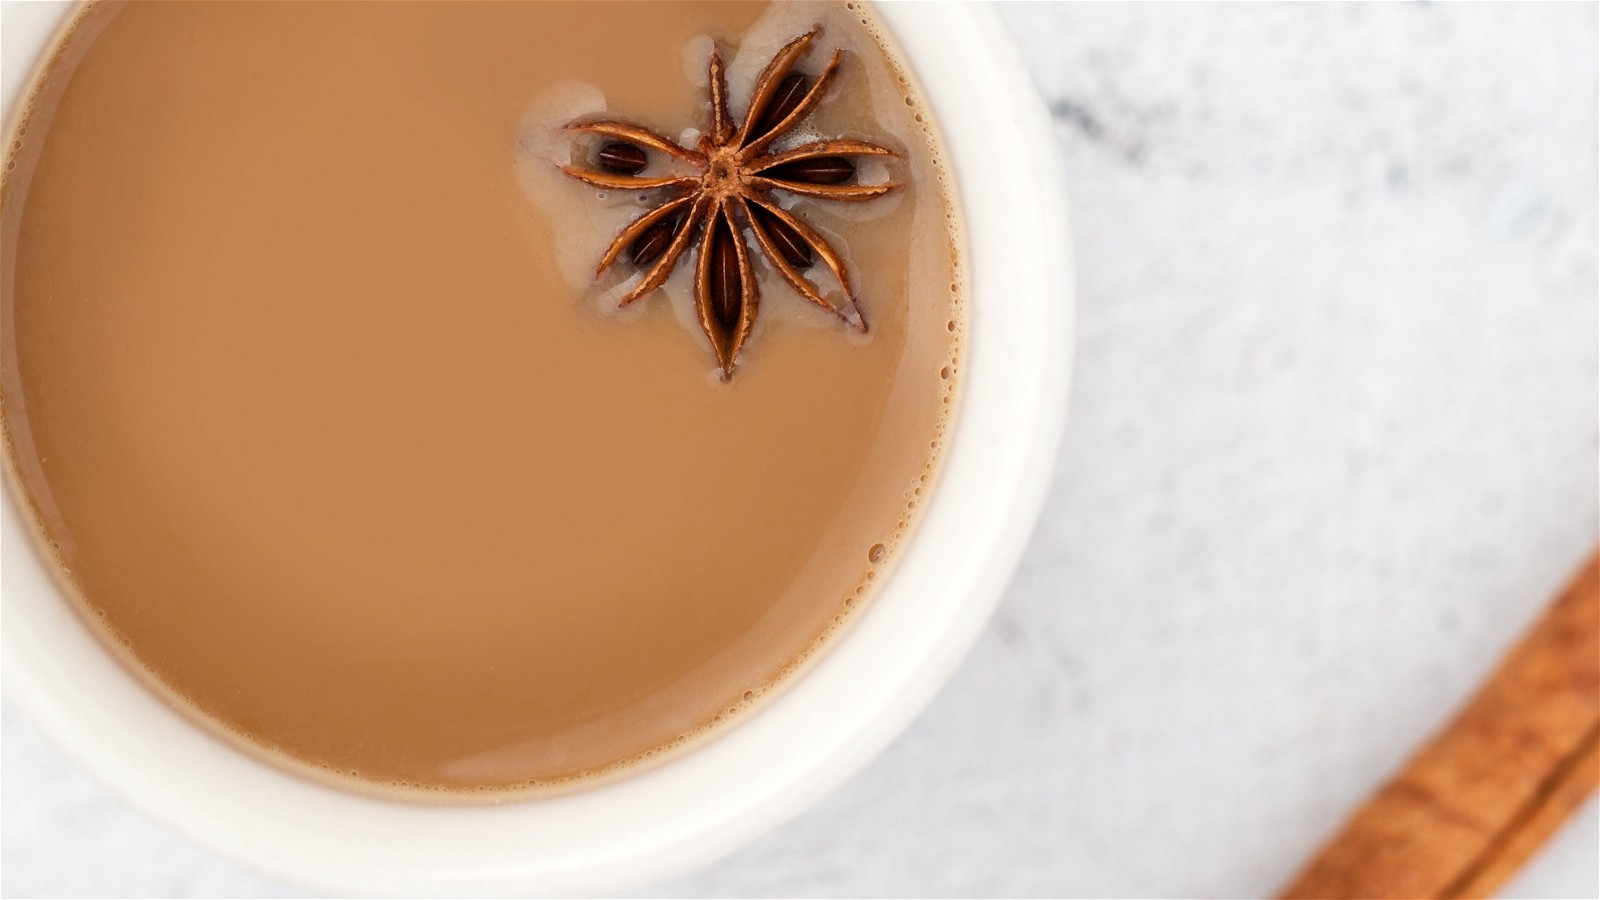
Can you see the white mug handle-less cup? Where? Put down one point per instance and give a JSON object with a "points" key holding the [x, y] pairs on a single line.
{"points": [[818, 732]]}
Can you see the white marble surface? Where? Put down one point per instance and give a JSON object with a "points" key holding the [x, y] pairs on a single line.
{"points": [[1333, 443]]}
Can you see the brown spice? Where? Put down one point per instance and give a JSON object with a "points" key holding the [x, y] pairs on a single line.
{"points": [[732, 190], [1477, 801]]}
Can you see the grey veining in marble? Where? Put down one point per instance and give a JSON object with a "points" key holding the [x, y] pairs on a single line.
{"points": [[1333, 443]]}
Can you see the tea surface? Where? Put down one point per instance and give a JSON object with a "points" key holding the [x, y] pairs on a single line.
{"points": [[310, 392]]}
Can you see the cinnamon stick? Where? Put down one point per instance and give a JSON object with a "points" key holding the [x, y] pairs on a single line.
{"points": [[1484, 794]]}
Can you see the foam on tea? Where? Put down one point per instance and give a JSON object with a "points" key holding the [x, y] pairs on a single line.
{"points": [[313, 395]]}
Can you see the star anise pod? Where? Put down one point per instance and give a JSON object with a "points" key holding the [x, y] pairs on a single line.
{"points": [[733, 191]]}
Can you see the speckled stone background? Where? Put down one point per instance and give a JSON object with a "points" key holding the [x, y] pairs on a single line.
{"points": [[1333, 443]]}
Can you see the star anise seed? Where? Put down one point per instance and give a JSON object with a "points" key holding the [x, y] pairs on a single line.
{"points": [[648, 247], [790, 244], [733, 191], [622, 157], [822, 170], [726, 295], [791, 90]]}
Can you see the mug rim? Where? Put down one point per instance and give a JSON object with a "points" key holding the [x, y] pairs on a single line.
{"points": [[822, 728]]}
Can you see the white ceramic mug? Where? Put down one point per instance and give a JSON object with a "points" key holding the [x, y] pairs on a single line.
{"points": [[769, 767]]}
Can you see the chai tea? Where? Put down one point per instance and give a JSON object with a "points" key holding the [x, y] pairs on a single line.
{"points": [[474, 397]]}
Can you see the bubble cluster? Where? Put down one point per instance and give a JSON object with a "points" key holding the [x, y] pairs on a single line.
{"points": [[41, 78]]}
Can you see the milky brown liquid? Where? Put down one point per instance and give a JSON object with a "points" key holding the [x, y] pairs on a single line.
{"points": [[331, 443]]}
